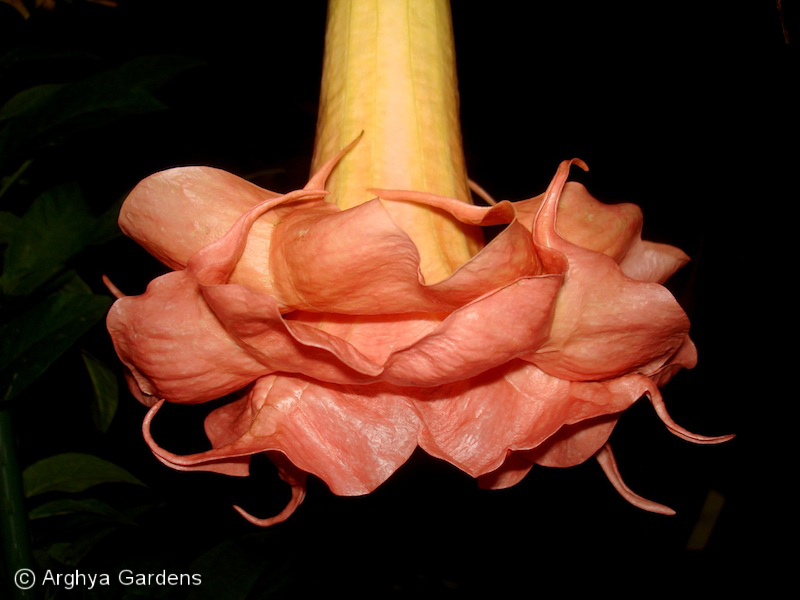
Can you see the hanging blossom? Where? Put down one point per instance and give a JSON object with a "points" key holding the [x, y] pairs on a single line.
{"points": [[339, 360]]}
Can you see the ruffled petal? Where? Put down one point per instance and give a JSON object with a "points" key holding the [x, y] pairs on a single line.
{"points": [[353, 438], [359, 261], [606, 324], [175, 213], [475, 423], [610, 229]]}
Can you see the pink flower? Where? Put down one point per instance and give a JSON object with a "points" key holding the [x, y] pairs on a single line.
{"points": [[348, 330], [341, 360]]}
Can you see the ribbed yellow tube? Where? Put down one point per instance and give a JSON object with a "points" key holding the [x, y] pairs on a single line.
{"points": [[389, 72]]}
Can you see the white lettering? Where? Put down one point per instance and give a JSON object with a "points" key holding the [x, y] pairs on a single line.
{"points": [[70, 581], [128, 577]]}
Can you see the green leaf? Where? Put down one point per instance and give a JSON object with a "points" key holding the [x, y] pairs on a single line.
{"points": [[33, 340], [8, 224], [30, 59], [54, 229], [71, 553], [50, 113], [106, 227], [30, 101], [106, 392], [68, 506], [72, 472]]}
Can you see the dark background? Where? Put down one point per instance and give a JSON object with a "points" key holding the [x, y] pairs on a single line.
{"points": [[684, 108]]}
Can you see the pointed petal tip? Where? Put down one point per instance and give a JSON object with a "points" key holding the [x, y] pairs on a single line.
{"points": [[115, 291], [319, 178]]}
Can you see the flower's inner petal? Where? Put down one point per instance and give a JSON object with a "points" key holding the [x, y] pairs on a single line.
{"points": [[360, 262], [376, 336], [502, 325]]}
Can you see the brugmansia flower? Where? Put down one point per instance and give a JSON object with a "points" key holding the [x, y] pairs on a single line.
{"points": [[355, 319]]}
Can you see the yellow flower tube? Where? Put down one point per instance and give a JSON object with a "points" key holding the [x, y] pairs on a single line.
{"points": [[389, 72]]}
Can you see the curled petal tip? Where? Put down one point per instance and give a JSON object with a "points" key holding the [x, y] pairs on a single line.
{"points": [[607, 462], [298, 495], [675, 429], [580, 163]]}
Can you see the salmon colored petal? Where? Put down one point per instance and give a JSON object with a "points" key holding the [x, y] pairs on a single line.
{"points": [[649, 261], [376, 336], [685, 357], [359, 261], [175, 213], [475, 423], [295, 478], [156, 336], [609, 465], [510, 321], [571, 445], [353, 438], [584, 221], [606, 324], [610, 229]]}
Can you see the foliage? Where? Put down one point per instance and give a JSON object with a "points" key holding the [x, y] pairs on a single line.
{"points": [[51, 303]]}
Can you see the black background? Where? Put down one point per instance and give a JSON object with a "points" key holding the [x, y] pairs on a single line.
{"points": [[685, 108]]}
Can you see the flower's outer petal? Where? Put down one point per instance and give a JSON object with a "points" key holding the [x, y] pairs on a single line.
{"points": [[610, 229], [475, 423], [513, 470], [575, 443], [571, 445], [174, 346], [685, 357], [584, 221], [649, 261], [606, 324], [352, 437], [175, 213]]}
